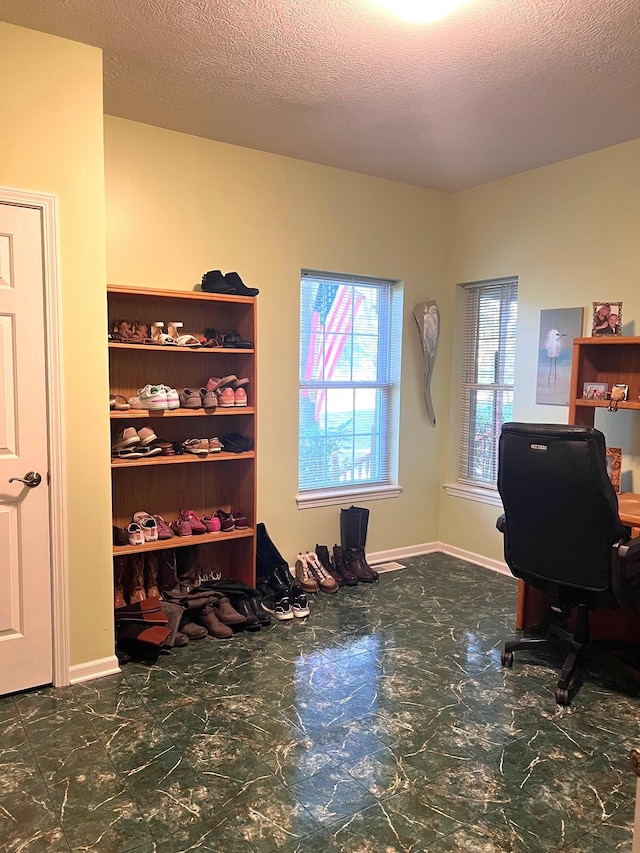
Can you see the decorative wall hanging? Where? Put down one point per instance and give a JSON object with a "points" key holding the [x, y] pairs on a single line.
{"points": [[427, 319], [558, 328]]}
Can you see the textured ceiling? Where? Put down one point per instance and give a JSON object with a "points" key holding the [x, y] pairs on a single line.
{"points": [[498, 87]]}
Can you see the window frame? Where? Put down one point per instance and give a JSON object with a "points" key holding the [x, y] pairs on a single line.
{"points": [[387, 382], [506, 289]]}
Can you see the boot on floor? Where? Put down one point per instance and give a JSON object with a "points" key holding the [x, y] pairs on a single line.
{"points": [[347, 575], [325, 558]]}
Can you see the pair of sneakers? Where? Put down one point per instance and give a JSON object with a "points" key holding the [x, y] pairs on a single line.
{"points": [[155, 398], [202, 446]]}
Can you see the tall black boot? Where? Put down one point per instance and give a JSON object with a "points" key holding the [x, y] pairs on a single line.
{"points": [[266, 548], [353, 527]]}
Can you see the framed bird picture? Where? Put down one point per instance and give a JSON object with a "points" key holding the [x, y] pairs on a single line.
{"points": [[558, 328]]}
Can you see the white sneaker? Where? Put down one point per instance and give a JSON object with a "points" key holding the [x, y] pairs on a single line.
{"points": [[173, 398], [153, 397]]}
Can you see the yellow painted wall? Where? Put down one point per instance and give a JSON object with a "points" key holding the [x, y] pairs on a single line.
{"points": [[570, 232], [52, 142], [178, 205]]}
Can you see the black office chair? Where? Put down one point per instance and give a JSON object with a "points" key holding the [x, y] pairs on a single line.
{"points": [[562, 535]]}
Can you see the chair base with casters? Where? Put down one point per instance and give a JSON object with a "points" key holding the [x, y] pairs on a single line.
{"points": [[563, 536]]}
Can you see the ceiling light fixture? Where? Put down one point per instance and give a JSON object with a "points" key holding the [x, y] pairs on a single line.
{"points": [[420, 11]]}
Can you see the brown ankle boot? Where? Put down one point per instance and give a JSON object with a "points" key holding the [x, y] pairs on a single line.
{"points": [[210, 621], [136, 578], [119, 572], [226, 613], [151, 574], [324, 556], [358, 564], [342, 569]]}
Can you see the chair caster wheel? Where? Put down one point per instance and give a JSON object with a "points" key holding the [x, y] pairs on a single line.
{"points": [[507, 659], [562, 697]]}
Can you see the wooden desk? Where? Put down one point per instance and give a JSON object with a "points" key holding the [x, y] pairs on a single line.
{"points": [[532, 602]]}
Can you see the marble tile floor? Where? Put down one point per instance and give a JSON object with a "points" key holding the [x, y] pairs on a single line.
{"points": [[384, 723]]}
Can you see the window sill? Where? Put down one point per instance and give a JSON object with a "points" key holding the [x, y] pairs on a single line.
{"points": [[473, 493], [311, 500]]}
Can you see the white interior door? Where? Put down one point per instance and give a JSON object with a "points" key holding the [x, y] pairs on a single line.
{"points": [[26, 643]]}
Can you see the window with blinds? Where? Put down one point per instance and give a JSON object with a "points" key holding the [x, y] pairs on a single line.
{"points": [[349, 358], [491, 310]]}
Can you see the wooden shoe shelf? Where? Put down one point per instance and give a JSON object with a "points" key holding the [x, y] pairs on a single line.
{"points": [[165, 485]]}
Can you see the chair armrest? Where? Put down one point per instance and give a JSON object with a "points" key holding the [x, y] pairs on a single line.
{"points": [[501, 523], [627, 551]]}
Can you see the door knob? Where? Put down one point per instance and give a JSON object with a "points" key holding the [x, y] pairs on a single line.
{"points": [[32, 479]]}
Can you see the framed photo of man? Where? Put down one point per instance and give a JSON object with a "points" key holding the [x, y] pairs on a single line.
{"points": [[607, 319]]}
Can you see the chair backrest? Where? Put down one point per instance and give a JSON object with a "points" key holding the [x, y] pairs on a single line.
{"points": [[561, 510]]}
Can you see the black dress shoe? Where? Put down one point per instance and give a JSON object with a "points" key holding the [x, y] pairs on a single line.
{"points": [[238, 285]]}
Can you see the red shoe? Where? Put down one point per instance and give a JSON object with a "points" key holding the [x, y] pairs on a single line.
{"points": [[191, 518]]}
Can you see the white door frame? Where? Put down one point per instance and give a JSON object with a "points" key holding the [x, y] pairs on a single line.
{"points": [[48, 207]]}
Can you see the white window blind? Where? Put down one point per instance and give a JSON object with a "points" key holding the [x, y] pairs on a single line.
{"points": [[491, 310], [349, 354]]}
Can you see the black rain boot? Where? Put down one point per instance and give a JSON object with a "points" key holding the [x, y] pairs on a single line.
{"points": [[267, 549]]}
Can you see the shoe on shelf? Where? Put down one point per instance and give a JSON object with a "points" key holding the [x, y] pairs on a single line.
{"points": [[118, 403], [215, 383], [148, 525], [214, 282], [238, 286], [181, 527], [190, 399], [208, 399], [136, 536], [125, 438], [153, 398], [240, 383], [146, 436], [196, 446], [226, 397], [240, 397], [227, 522], [120, 535], [239, 520], [164, 531], [173, 329], [215, 445], [192, 519], [212, 523], [173, 398], [304, 575], [325, 581]]}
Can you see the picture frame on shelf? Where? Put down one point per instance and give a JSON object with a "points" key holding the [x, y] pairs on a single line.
{"points": [[614, 466], [595, 391], [607, 319]]}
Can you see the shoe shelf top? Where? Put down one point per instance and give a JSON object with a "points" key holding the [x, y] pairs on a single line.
{"points": [[174, 348], [123, 290], [182, 459], [219, 411], [183, 541]]}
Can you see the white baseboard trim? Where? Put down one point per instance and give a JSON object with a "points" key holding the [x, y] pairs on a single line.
{"points": [[93, 669], [478, 559], [438, 547]]}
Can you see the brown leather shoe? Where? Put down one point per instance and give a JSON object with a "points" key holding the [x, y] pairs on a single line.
{"points": [[325, 581], [354, 566], [304, 575]]}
